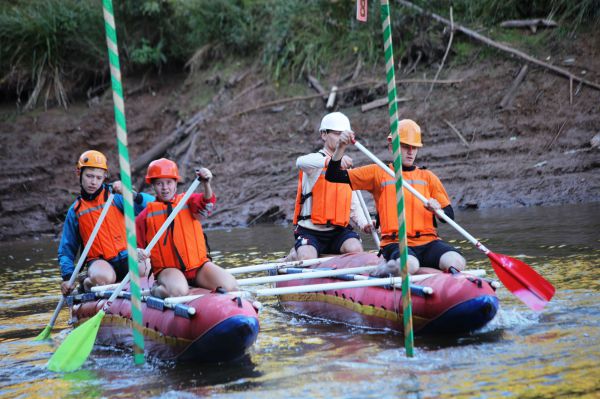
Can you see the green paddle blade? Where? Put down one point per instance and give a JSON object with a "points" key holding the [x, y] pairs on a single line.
{"points": [[44, 334], [76, 348]]}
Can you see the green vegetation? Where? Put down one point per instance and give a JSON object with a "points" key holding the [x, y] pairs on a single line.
{"points": [[54, 49]]}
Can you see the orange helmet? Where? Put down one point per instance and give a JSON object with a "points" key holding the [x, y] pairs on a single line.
{"points": [[92, 159], [162, 168], [410, 133]]}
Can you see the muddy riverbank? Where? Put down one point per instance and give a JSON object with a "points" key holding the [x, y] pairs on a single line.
{"points": [[536, 151]]}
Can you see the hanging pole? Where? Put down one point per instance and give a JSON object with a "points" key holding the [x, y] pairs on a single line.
{"points": [[121, 125], [393, 115]]}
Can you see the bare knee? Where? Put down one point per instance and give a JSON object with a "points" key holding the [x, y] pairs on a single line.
{"points": [[413, 264], [351, 245], [178, 290], [452, 259], [230, 284], [306, 252]]}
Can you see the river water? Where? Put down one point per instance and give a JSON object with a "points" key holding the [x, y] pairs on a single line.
{"points": [[520, 354]]}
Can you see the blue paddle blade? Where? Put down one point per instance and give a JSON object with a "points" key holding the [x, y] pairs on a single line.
{"points": [[76, 348]]}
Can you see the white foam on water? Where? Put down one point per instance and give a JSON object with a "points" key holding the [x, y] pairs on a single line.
{"points": [[510, 318]]}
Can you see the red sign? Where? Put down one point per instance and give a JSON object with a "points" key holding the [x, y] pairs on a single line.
{"points": [[361, 10]]}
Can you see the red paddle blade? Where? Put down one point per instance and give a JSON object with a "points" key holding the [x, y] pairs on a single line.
{"points": [[520, 279]]}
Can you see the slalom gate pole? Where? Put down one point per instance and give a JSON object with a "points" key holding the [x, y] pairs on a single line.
{"points": [[393, 116], [124, 164]]}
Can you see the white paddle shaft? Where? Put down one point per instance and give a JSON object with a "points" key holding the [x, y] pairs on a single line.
{"points": [[83, 256], [276, 265], [363, 205]]}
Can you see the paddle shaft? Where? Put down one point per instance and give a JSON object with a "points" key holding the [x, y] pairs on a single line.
{"points": [[156, 237], [310, 273], [83, 256], [301, 274], [327, 286], [420, 196], [363, 205], [277, 265]]}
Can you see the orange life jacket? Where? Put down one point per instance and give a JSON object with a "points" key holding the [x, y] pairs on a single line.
{"points": [[420, 227], [111, 238], [182, 246], [330, 202]]}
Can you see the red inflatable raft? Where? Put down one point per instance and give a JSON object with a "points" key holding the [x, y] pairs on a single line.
{"points": [[459, 302], [214, 327]]}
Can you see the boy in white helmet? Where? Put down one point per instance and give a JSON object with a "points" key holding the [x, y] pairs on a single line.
{"points": [[323, 210]]}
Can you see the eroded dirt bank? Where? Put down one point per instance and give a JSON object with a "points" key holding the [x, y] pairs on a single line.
{"points": [[535, 152]]}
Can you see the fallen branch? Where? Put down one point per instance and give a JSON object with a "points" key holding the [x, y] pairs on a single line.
{"points": [[455, 130], [443, 58], [510, 95], [556, 136], [248, 89], [332, 97], [189, 156], [532, 24], [176, 136], [314, 82], [380, 102], [375, 83], [502, 47]]}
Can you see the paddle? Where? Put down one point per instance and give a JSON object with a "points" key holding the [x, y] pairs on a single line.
{"points": [[276, 265], [317, 273], [76, 348], [363, 205], [48, 329], [376, 282], [520, 279], [310, 273], [290, 274]]}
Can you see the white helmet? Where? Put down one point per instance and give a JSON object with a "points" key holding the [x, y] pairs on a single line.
{"points": [[335, 121]]}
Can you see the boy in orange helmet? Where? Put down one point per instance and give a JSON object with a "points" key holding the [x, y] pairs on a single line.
{"points": [[181, 256], [107, 258], [425, 248]]}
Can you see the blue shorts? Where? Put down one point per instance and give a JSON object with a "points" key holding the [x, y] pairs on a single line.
{"points": [[428, 255], [325, 242]]}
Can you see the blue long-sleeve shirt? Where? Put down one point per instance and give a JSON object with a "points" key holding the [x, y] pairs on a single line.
{"points": [[71, 242]]}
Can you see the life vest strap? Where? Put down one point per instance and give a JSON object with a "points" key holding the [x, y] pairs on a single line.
{"points": [[171, 229], [304, 197], [394, 236]]}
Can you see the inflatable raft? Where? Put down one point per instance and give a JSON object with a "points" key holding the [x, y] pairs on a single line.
{"points": [[441, 303], [214, 327]]}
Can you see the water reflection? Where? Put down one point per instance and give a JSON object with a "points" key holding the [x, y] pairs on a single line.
{"points": [[519, 354]]}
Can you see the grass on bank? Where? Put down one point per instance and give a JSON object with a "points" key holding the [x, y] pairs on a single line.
{"points": [[51, 50]]}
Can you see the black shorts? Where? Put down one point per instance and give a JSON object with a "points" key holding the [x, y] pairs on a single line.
{"points": [[325, 242], [428, 255], [119, 265]]}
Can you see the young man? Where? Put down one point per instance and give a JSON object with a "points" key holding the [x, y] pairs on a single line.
{"points": [[425, 248], [181, 256], [323, 209], [107, 258]]}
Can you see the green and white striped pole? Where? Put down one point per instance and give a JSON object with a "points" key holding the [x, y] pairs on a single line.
{"points": [[393, 114], [117, 89]]}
